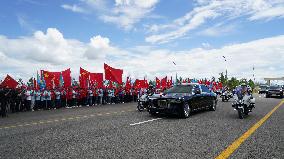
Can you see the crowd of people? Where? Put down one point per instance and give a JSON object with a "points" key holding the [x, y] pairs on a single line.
{"points": [[29, 99]]}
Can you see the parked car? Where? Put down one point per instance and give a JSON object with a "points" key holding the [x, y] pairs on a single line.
{"points": [[263, 89], [183, 99], [275, 91]]}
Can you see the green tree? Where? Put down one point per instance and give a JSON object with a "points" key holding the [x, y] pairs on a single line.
{"points": [[223, 79], [233, 82], [251, 84]]}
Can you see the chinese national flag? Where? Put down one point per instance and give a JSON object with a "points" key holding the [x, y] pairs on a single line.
{"points": [[84, 78], [113, 74], [164, 82], [158, 83], [141, 83], [96, 79], [9, 82], [66, 75], [56, 78], [49, 79], [127, 84]]}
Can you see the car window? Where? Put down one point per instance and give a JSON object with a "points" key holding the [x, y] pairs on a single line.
{"points": [[180, 89], [274, 87], [205, 89]]}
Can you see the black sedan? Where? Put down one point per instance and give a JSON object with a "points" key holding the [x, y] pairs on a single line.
{"points": [[183, 99], [275, 90]]}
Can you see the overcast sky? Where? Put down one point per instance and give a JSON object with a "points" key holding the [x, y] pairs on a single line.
{"points": [[143, 37]]}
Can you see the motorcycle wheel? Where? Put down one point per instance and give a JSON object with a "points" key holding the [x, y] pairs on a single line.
{"points": [[241, 113], [223, 99], [140, 107]]}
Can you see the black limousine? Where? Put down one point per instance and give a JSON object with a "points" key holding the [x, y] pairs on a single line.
{"points": [[182, 100]]}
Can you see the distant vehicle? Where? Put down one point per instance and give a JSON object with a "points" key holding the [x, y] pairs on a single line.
{"points": [[182, 100], [263, 89], [275, 91]]}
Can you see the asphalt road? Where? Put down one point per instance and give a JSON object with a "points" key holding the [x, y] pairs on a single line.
{"points": [[120, 131]]}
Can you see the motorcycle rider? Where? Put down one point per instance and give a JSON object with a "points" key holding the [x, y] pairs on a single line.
{"points": [[244, 91]]}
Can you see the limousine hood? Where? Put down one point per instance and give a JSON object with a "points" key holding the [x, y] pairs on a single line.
{"points": [[170, 96]]}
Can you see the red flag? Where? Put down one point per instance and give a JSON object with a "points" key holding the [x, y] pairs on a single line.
{"points": [[158, 83], [66, 75], [36, 87], [48, 78], [127, 84], [164, 82], [84, 78], [96, 79], [141, 84], [113, 74], [9, 82], [110, 85], [56, 78]]}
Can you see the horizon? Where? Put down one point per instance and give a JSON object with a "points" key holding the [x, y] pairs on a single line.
{"points": [[143, 38]]}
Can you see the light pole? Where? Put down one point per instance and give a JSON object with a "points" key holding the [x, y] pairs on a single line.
{"points": [[176, 71], [226, 66]]}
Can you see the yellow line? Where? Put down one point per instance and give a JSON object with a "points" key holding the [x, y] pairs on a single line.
{"points": [[236, 144]]}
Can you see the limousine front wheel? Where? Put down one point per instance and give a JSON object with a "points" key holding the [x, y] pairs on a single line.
{"points": [[185, 111], [213, 105]]}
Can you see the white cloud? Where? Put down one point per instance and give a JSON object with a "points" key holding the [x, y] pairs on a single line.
{"points": [[123, 13], [74, 8], [218, 30], [25, 23], [23, 56], [276, 12], [212, 10]]}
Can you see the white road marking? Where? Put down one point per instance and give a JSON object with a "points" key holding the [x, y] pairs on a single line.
{"points": [[142, 122]]}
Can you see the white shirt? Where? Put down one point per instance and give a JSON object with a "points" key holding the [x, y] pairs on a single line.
{"points": [[90, 92], [28, 95], [74, 93], [57, 94]]}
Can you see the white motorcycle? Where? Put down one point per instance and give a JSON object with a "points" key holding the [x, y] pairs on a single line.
{"points": [[243, 104]]}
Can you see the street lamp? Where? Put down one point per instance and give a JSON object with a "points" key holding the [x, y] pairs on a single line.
{"points": [[226, 66]]}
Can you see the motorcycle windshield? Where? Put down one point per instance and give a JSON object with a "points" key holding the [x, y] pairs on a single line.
{"points": [[240, 96]]}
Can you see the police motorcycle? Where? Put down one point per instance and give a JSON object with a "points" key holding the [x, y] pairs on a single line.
{"points": [[143, 102], [243, 103], [226, 95]]}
